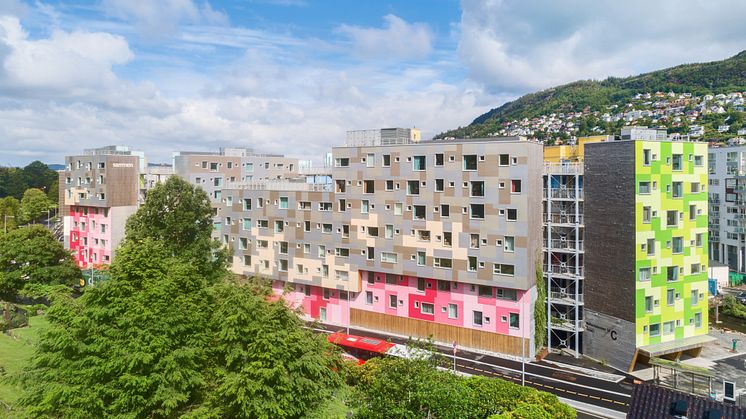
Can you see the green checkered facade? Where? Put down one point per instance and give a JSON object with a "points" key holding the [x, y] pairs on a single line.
{"points": [[671, 241]]}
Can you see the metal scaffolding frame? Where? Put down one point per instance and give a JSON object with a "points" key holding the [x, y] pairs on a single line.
{"points": [[563, 255]]}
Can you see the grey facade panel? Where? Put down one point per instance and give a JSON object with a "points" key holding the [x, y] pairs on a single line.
{"points": [[610, 339]]}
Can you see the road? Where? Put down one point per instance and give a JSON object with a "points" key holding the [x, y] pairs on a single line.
{"points": [[563, 383]]}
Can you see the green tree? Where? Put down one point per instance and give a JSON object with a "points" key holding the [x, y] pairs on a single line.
{"points": [[9, 213], [39, 175], [34, 204], [179, 215], [169, 336], [31, 255], [12, 182]]}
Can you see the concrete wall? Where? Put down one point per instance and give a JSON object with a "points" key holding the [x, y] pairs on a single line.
{"points": [[609, 339]]}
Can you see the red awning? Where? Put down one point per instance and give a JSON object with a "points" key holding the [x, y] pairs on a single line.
{"points": [[360, 342]]}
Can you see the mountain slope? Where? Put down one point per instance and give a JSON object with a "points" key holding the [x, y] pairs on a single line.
{"points": [[702, 78]]}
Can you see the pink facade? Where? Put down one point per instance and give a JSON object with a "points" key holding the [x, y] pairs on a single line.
{"points": [[449, 303], [91, 235]]}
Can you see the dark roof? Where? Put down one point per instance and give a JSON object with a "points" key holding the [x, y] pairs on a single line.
{"points": [[651, 401]]}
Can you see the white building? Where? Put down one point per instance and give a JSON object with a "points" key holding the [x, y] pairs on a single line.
{"points": [[727, 201]]}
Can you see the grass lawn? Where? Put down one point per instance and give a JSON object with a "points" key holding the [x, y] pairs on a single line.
{"points": [[15, 352]]}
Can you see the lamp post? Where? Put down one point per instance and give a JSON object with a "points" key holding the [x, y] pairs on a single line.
{"points": [[5, 225]]}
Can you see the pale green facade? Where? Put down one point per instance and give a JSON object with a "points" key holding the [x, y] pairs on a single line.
{"points": [[671, 241]]}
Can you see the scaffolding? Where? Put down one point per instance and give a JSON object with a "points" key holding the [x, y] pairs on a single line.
{"points": [[563, 255]]}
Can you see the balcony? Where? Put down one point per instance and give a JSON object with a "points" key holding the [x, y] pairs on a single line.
{"points": [[568, 219], [315, 171], [564, 297], [570, 245], [563, 168], [279, 185], [564, 270], [564, 193], [568, 325]]}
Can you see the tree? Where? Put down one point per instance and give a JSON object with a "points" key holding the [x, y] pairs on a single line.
{"points": [[31, 255], [9, 213], [34, 204], [179, 215], [168, 335], [38, 175]]}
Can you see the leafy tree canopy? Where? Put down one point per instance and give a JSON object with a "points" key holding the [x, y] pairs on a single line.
{"points": [[34, 204], [10, 212], [14, 181], [31, 255]]}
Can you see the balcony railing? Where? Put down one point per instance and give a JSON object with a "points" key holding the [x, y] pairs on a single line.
{"points": [[570, 271], [315, 171], [279, 185], [563, 168], [566, 297], [567, 324], [564, 193], [564, 244], [565, 219]]}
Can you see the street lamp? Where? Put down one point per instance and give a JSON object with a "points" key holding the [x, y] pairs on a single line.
{"points": [[5, 228]]}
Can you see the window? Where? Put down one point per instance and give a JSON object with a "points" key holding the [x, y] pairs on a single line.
{"points": [[697, 320], [452, 311], [504, 160], [672, 218], [279, 226], [698, 240], [392, 301], [418, 163], [262, 244], [442, 263], [439, 159], [695, 297], [413, 187], [447, 238], [470, 162], [262, 223], [283, 248], [485, 291], [370, 160], [420, 284], [472, 264], [646, 157], [388, 231], [364, 206], [283, 202], [389, 257], [421, 258], [368, 297], [512, 214], [506, 294], [445, 210], [386, 160], [692, 212], [477, 318], [243, 243], [676, 163], [477, 188], [326, 294], [670, 296], [342, 252], [397, 208], [672, 273], [644, 188], [678, 245], [371, 253], [648, 304], [341, 162], [427, 308], [698, 160], [678, 189], [247, 204], [321, 251], [246, 260], [515, 186], [369, 186], [306, 226], [340, 186], [509, 244], [668, 328], [423, 235], [439, 185], [645, 274], [655, 329], [283, 265], [515, 320], [476, 211], [342, 205], [695, 188], [418, 212], [646, 214], [503, 269]]}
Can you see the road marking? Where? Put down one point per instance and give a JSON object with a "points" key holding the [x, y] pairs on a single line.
{"points": [[606, 400], [594, 397], [572, 392]]}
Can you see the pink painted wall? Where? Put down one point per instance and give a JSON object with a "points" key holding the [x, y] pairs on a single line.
{"points": [[77, 234]]}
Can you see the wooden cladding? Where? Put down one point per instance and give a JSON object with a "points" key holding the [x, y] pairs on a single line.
{"points": [[464, 337]]}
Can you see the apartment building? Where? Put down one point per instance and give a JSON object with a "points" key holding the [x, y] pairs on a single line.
{"points": [[417, 238], [101, 189], [727, 189], [645, 248]]}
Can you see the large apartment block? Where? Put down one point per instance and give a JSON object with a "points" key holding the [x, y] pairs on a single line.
{"points": [[645, 250], [101, 189], [727, 198], [438, 238]]}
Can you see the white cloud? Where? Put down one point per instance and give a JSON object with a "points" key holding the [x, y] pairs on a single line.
{"points": [[522, 46], [71, 63], [159, 18], [398, 39]]}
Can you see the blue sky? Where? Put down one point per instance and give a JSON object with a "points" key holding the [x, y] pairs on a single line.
{"points": [[291, 76]]}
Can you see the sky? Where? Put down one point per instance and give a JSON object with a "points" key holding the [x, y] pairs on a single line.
{"points": [[292, 76]]}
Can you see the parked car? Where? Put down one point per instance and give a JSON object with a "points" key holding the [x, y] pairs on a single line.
{"points": [[741, 297]]}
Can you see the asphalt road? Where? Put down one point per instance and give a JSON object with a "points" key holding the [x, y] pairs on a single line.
{"points": [[563, 383]]}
